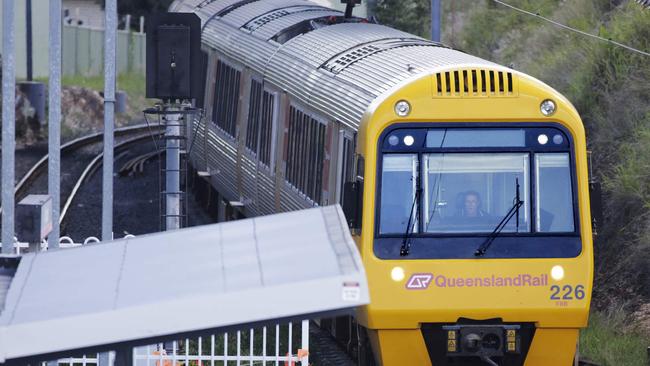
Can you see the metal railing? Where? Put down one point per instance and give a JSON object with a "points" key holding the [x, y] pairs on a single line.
{"points": [[267, 346], [263, 346]]}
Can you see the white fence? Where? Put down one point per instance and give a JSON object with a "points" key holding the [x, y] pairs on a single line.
{"points": [[277, 345], [83, 51], [274, 346]]}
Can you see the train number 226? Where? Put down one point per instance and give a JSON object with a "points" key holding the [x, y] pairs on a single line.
{"points": [[567, 292]]}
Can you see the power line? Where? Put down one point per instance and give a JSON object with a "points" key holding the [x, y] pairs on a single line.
{"points": [[563, 26]]}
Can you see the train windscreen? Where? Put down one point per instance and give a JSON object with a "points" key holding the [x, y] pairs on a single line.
{"points": [[470, 180]]}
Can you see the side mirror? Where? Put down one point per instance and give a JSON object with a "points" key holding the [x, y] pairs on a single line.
{"points": [[353, 203], [596, 200]]}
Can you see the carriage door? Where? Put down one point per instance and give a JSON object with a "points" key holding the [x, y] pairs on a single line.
{"points": [[345, 172]]}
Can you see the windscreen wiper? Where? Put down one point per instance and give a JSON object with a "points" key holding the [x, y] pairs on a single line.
{"points": [[406, 239], [514, 210]]}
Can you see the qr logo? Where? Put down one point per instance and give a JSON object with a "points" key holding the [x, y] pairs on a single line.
{"points": [[419, 281]]}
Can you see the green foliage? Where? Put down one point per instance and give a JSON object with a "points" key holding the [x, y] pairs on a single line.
{"points": [[413, 16], [137, 8], [609, 341]]}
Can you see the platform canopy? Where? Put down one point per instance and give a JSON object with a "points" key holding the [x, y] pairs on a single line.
{"points": [[157, 287]]}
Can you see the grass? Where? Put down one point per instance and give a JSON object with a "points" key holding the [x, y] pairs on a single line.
{"points": [[132, 83], [610, 341]]}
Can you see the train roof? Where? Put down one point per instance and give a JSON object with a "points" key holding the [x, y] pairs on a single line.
{"points": [[337, 69]]}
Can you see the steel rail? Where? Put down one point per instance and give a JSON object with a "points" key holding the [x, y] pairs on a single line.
{"points": [[90, 170], [37, 168]]}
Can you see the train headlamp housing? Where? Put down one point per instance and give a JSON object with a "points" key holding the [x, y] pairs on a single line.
{"points": [[402, 108], [547, 107], [393, 140]]}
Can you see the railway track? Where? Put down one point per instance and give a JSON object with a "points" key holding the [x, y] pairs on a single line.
{"points": [[80, 158]]}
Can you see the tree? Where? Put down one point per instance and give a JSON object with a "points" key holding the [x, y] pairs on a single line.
{"points": [[413, 16], [137, 8]]}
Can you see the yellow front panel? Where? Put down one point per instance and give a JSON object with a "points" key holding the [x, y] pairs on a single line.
{"points": [[553, 347], [411, 343], [515, 290]]}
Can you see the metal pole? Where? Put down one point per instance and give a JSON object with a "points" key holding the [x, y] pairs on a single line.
{"points": [[436, 15], [105, 359], [8, 126], [172, 169], [54, 125], [110, 31], [28, 24]]}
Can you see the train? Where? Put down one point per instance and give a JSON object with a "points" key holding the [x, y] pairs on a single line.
{"points": [[465, 183]]}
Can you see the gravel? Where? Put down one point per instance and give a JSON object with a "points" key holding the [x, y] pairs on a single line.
{"points": [[135, 203]]}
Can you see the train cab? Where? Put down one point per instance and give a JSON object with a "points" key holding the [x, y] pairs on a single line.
{"points": [[476, 222]]}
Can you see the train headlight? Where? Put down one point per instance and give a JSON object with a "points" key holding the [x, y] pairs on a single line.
{"points": [[402, 108], [547, 107], [542, 139], [409, 140], [557, 273], [397, 274], [558, 139]]}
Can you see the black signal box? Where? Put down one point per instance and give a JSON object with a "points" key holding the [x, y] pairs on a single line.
{"points": [[173, 56]]}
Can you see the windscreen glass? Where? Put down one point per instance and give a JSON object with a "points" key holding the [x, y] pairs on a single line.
{"points": [[554, 196], [473, 192], [398, 192]]}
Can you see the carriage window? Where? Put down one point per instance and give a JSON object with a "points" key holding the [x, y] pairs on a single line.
{"points": [[226, 98], [266, 127], [474, 192], [305, 154], [554, 194], [254, 116], [398, 192]]}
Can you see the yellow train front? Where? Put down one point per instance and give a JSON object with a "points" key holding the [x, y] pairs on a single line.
{"points": [[475, 230]]}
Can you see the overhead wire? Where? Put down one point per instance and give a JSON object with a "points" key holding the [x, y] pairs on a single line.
{"points": [[566, 27]]}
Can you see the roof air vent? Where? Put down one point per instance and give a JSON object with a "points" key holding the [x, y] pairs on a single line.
{"points": [[266, 18], [341, 61], [474, 83]]}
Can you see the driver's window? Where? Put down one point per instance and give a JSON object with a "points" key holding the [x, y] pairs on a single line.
{"points": [[474, 192]]}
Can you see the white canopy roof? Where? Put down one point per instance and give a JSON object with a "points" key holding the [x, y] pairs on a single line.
{"points": [[200, 279]]}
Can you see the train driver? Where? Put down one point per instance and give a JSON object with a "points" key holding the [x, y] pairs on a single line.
{"points": [[472, 205]]}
